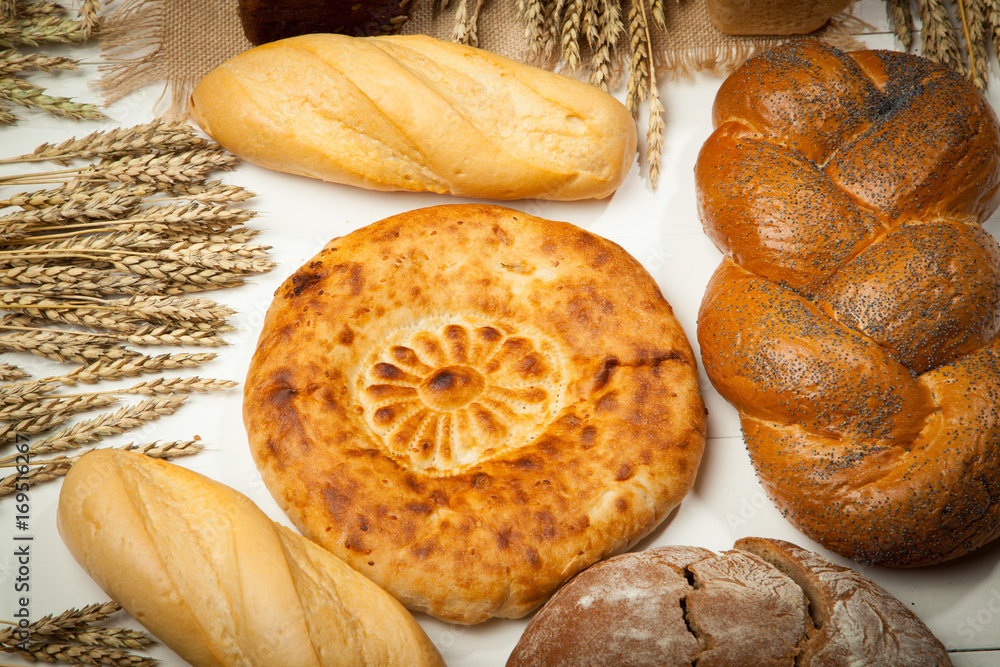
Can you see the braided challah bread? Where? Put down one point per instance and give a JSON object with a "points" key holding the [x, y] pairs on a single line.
{"points": [[853, 321]]}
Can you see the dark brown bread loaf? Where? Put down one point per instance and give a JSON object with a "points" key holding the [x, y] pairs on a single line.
{"points": [[853, 320], [270, 20], [772, 17], [766, 603]]}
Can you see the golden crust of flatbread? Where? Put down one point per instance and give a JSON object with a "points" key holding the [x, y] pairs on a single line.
{"points": [[470, 405]]}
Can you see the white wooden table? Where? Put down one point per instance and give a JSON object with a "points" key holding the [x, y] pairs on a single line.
{"points": [[960, 602]]}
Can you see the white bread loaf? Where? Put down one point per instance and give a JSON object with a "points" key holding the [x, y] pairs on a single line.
{"points": [[416, 113], [214, 579]]}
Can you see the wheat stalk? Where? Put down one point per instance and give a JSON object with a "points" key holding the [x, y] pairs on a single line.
{"points": [[89, 18], [464, 29], [62, 345], [39, 8], [37, 403], [74, 214], [161, 170], [43, 422], [991, 9], [50, 469], [62, 245], [243, 260], [184, 385], [156, 136], [9, 372], [658, 13], [154, 450], [43, 28], [182, 167], [26, 94], [81, 654], [192, 214], [115, 369], [229, 236], [551, 27], [607, 41], [114, 315], [569, 41], [174, 335], [106, 341], [122, 638], [26, 392], [81, 281], [72, 192], [104, 425], [56, 406], [212, 192], [15, 62], [71, 620], [35, 247], [654, 134], [938, 35], [6, 117], [901, 19], [973, 21], [179, 278], [638, 79], [533, 18], [72, 627]]}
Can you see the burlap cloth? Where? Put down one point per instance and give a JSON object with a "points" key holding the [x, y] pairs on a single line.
{"points": [[175, 42]]}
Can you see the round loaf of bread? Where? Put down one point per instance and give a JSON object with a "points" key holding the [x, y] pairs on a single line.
{"points": [[854, 319], [766, 603], [469, 405], [772, 17], [270, 20]]}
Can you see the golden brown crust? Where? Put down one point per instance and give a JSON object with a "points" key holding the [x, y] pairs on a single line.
{"points": [[854, 319], [415, 113], [470, 404], [217, 581]]}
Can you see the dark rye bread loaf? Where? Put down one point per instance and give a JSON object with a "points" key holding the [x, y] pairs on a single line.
{"points": [[766, 603], [270, 20]]}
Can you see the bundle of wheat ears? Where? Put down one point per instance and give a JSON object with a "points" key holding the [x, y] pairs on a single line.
{"points": [[104, 260], [588, 34], [36, 23], [78, 636], [954, 33]]}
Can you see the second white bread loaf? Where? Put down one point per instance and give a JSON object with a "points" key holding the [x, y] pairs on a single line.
{"points": [[416, 113], [214, 579]]}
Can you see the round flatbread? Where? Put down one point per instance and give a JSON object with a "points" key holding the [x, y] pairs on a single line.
{"points": [[470, 405]]}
